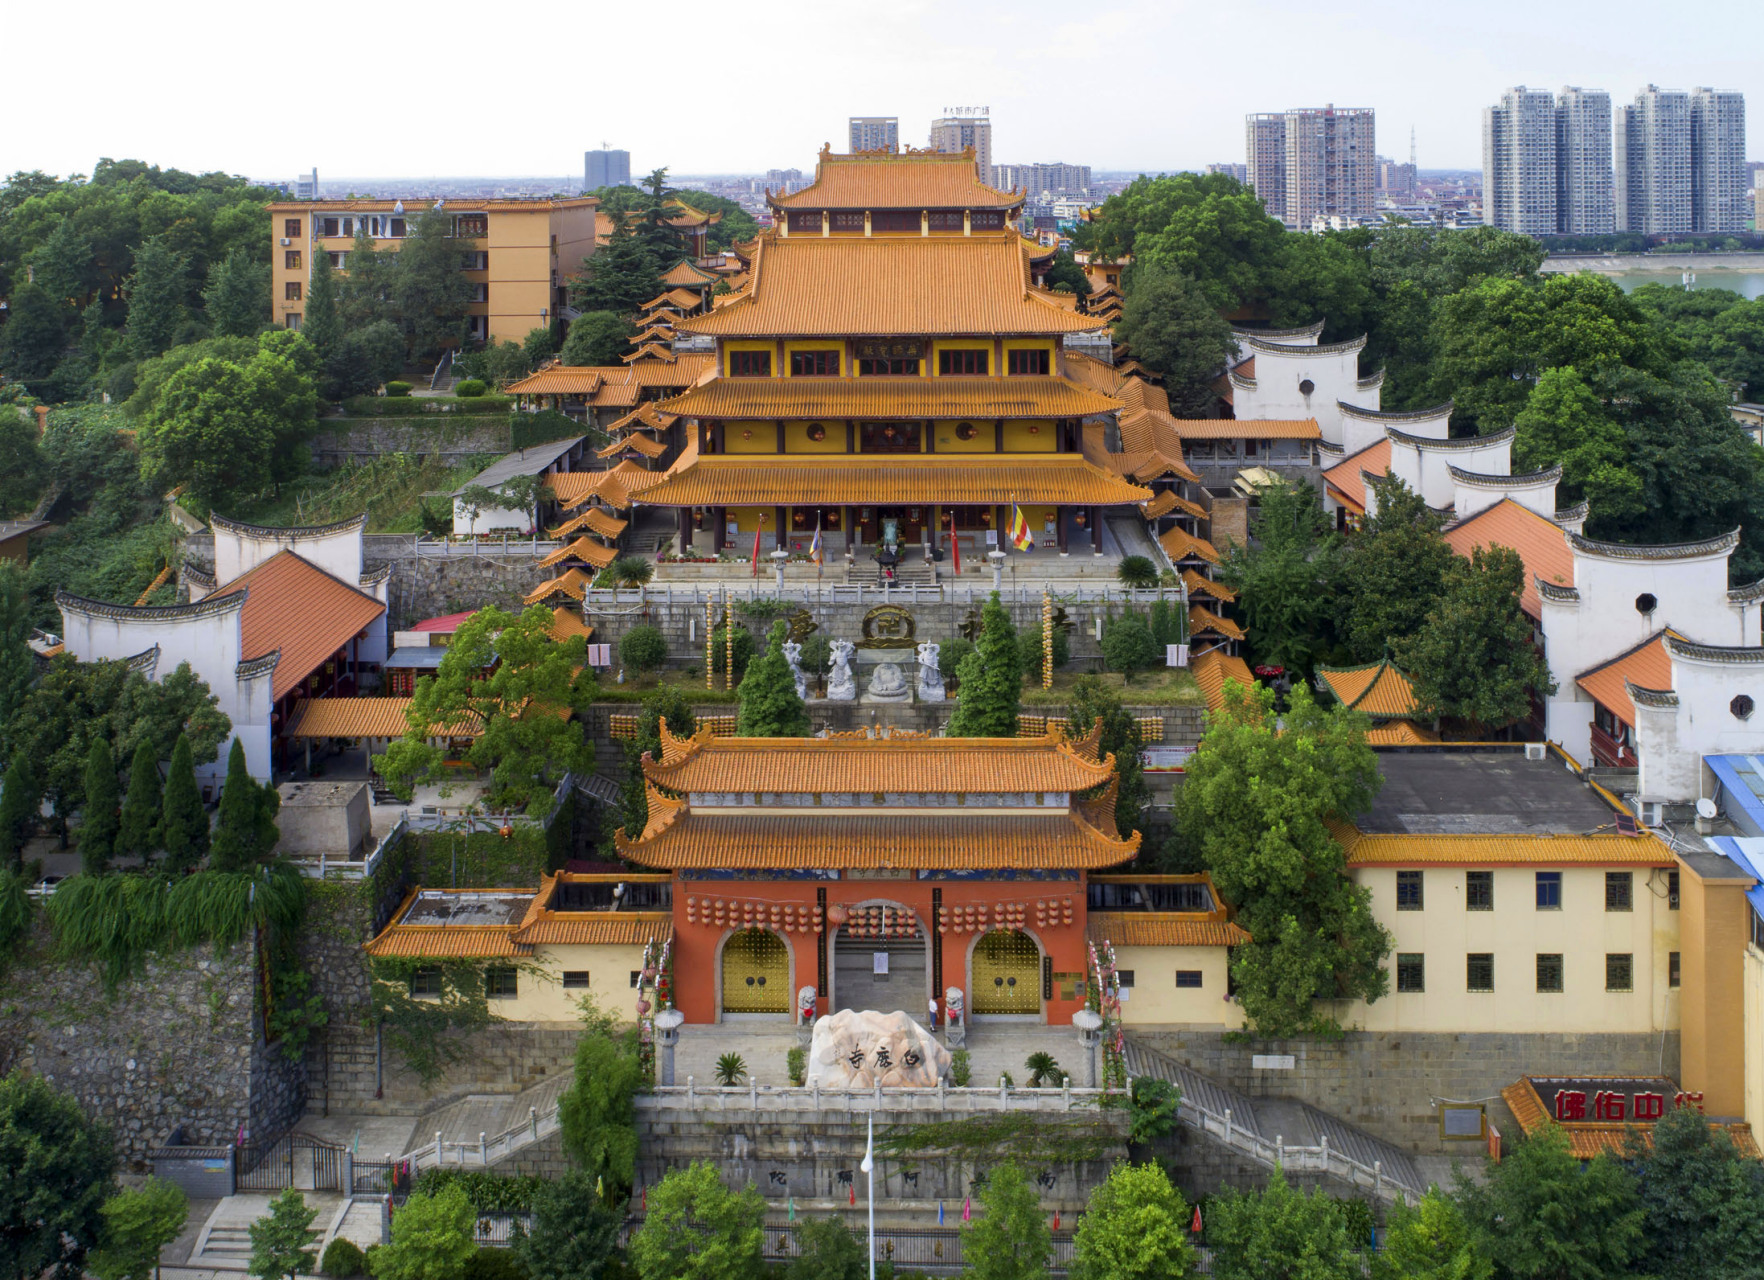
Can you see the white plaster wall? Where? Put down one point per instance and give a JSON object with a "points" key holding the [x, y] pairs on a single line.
{"points": [[1359, 430], [1691, 595], [238, 551], [1672, 742], [1435, 466], [1468, 499], [491, 520], [1334, 375]]}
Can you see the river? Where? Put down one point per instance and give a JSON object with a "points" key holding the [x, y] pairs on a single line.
{"points": [[1741, 272]]}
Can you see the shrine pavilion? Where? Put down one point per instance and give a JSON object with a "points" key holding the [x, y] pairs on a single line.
{"points": [[892, 370]]}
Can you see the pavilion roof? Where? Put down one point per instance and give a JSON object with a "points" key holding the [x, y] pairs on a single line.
{"points": [[1400, 733], [705, 763], [861, 480], [1180, 545], [295, 609], [1347, 478], [583, 549], [908, 180], [559, 379], [1211, 671], [887, 286], [682, 298], [640, 444], [368, 718], [1377, 688], [1199, 586], [595, 521], [889, 397], [1538, 540], [684, 274], [614, 487], [1203, 621], [573, 583]]}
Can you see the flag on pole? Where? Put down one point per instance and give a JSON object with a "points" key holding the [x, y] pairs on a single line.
{"points": [[1021, 538], [1056, 1221], [852, 1193], [940, 1213], [955, 545], [600, 1188], [646, 1199], [758, 530], [815, 550], [792, 1210], [1195, 1226], [967, 1208]]}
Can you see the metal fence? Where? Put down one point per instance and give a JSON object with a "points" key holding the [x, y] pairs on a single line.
{"points": [[858, 593], [692, 1096], [292, 1160]]}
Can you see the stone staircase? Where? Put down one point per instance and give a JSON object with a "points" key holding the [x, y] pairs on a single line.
{"points": [[1284, 1131], [484, 1129]]}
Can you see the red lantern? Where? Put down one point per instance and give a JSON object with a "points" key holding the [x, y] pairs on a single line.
{"points": [[836, 914]]}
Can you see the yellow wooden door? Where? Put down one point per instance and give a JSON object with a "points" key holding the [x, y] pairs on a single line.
{"points": [[756, 973], [1007, 973]]}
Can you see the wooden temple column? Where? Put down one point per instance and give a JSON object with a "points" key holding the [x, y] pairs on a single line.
{"points": [[1096, 531], [719, 531], [845, 520], [850, 436], [1063, 522], [780, 436], [779, 515], [934, 531], [998, 435], [685, 531]]}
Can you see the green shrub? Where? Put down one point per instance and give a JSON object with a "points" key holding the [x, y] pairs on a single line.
{"points": [[1137, 571], [494, 1264], [471, 388], [744, 647], [796, 1063], [1029, 646], [631, 571], [343, 1259], [489, 1192], [408, 406], [950, 654], [397, 389], [643, 648], [961, 1069], [1128, 647]]}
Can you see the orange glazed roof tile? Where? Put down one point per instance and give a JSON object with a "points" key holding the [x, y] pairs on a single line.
{"points": [[675, 298], [366, 718], [1167, 502], [909, 180], [859, 480], [296, 608], [467, 924], [1211, 671], [1587, 1139], [595, 521], [640, 444], [1202, 620], [684, 273], [1397, 849], [881, 397], [719, 764], [1180, 545], [1377, 688], [681, 839], [1400, 733], [559, 379], [1199, 586], [592, 928], [614, 487], [1348, 477], [574, 583], [1162, 929], [1214, 669], [1647, 666], [962, 285], [1540, 543], [1248, 428], [651, 351], [584, 549], [566, 624], [645, 417]]}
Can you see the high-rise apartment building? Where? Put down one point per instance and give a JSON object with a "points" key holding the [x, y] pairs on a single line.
{"points": [[1314, 162], [606, 169], [963, 127], [1718, 161], [1396, 180], [306, 186], [1238, 171], [1041, 179], [1585, 194], [1652, 162], [875, 133], [1519, 162]]}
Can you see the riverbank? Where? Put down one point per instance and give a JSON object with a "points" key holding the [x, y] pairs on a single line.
{"points": [[1652, 263]]}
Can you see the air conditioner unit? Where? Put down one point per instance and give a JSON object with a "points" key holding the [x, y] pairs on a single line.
{"points": [[1649, 812], [1534, 751], [286, 242]]}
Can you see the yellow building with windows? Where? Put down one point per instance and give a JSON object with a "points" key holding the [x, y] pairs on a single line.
{"points": [[518, 254]]}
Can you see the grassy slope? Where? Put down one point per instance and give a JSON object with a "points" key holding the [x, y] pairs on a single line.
{"points": [[390, 489]]}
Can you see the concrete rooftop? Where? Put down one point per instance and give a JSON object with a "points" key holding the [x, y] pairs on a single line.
{"points": [[1482, 793]]}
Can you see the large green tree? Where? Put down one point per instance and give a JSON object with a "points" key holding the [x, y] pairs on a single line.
{"points": [[1703, 1202], [1289, 578], [320, 323], [17, 664], [1394, 570], [597, 1115], [1280, 1234], [1010, 1240], [597, 338], [23, 796], [623, 274], [1564, 423], [59, 1168], [770, 707], [183, 824], [138, 832], [282, 1240], [991, 679], [1542, 1214], [1474, 658], [1093, 700], [575, 1231], [431, 1238], [1255, 799], [429, 290], [698, 1229], [523, 711], [138, 1223], [238, 295], [1208, 227], [826, 1250], [247, 830], [34, 338], [1135, 1227], [1175, 330], [157, 294], [1430, 1241], [98, 831]]}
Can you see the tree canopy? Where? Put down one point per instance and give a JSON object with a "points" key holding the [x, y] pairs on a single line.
{"points": [[991, 676], [1174, 329], [698, 1229], [59, 1168], [770, 707]]}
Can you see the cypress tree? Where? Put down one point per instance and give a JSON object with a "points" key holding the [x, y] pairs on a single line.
{"points": [[98, 832], [991, 680], [236, 835], [19, 807], [184, 830], [321, 325], [139, 832], [769, 705]]}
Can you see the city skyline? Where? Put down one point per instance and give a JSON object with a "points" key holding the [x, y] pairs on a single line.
{"points": [[1434, 76]]}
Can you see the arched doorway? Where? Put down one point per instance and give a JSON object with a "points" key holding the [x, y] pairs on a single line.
{"points": [[880, 961], [756, 972], [1006, 968]]}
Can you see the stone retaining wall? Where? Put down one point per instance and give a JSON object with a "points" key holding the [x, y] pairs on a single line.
{"points": [[501, 1059], [178, 1045], [448, 436], [1390, 1083]]}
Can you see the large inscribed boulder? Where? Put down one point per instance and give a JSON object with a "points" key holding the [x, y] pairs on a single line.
{"points": [[860, 1050]]}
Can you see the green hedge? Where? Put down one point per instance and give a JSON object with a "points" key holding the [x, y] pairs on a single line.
{"points": [[416, 406], [488, 1192], [482, 859]]}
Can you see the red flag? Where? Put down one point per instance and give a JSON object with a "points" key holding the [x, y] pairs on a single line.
{"points": [[756, 541], [854, 1193], [1195, 1226], [967, 1208], [1056, 1225], [955, 545], [646, 1199]]}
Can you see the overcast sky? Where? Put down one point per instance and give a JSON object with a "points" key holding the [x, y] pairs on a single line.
{"points": [[524, 86]]}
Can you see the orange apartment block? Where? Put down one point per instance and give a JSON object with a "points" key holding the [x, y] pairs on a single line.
{"points": [[523, 253]]}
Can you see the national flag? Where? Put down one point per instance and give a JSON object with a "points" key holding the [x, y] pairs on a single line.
{"points": [[815, 551], [1195, 1226], [955, 546], [1021, 538], [967, 1208], [758, 530]]}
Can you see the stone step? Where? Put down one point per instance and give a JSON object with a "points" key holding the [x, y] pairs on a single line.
{"points": [[1195, 1087]]}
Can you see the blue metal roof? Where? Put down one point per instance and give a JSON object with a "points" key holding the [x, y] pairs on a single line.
{"points": [[1742, 786], [1747, 852]]}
